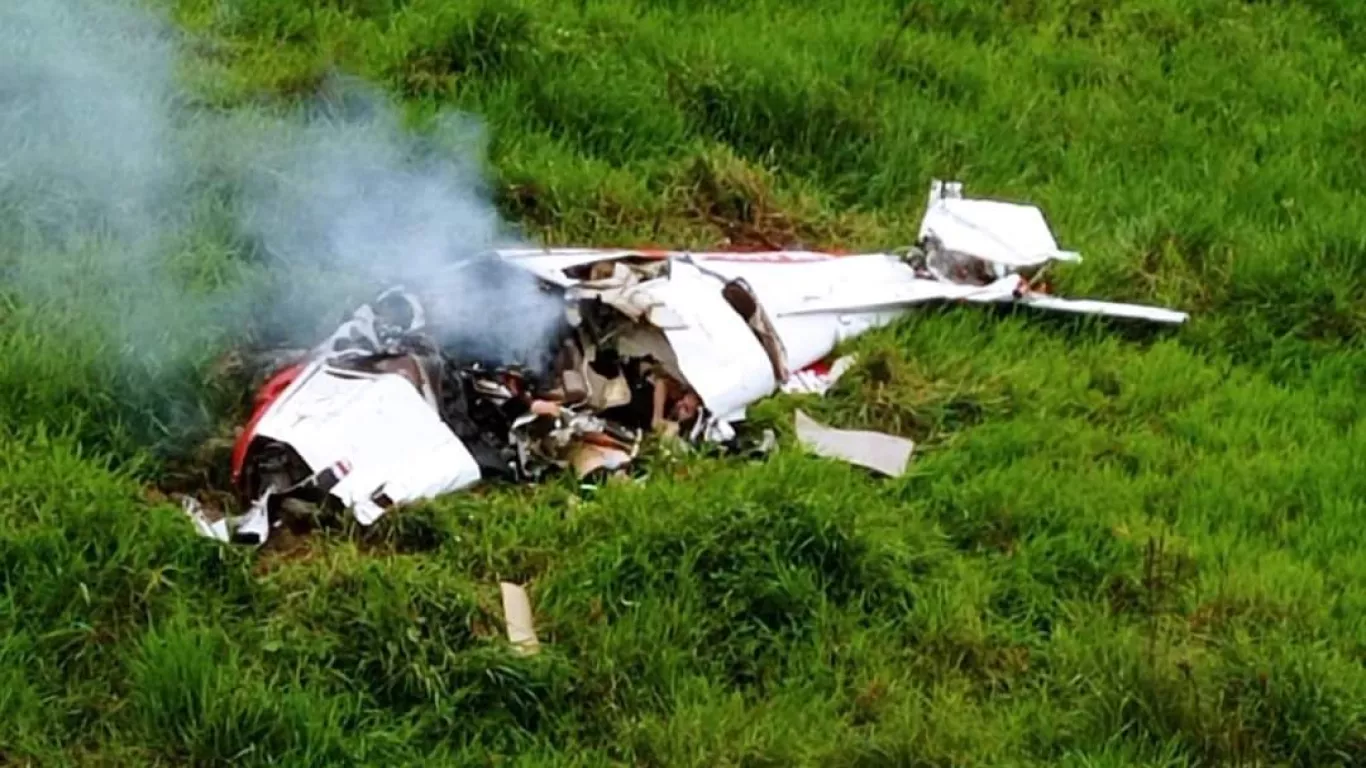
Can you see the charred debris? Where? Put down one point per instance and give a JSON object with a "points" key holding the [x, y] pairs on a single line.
{"points": [[400, 404]]}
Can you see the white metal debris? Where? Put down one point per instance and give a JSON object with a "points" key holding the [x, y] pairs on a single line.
{"points": [[216, 529], [815, 301], [1008, 236], [729, 328], [254, 526], [879, 452], [521, 630], [392, 444]]}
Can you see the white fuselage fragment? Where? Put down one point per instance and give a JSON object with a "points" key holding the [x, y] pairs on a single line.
{"points": [[397, 449], [716, 351], [815, 301], [391, 440]]}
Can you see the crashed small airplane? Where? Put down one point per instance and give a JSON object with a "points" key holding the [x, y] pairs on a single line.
{"points": [[677, 343]]}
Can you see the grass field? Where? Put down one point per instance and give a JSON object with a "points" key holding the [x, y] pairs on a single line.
{"points": [[1114, 548]]}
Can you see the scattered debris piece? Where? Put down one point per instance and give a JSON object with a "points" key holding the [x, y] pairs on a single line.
{"points": [[253, 527], [213, 529], [879, 452], [517, 614], [393, 408], [768, 443], [818, 378]]}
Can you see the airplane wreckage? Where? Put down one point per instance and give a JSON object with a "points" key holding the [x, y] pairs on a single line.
{"points": [[378, 415]]}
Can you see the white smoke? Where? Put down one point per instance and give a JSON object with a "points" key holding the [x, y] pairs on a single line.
{"points": [[173, 230], [344, 191], [86, 104]]}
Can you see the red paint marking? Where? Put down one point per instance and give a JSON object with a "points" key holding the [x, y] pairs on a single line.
{"points": [[265, 397], [743, 254], [820, 367]]}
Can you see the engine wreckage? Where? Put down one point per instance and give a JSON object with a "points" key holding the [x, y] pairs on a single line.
{"points": [[379, 414]]}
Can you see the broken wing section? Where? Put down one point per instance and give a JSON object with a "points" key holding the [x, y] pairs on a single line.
{"points": [[740, 326], [1001, 247]]}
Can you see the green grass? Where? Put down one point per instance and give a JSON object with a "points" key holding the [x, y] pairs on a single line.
{"points": [[1114, 549]]}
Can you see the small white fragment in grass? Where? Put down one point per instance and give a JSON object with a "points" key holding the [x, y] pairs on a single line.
{"points": [[217, 529], [517, 614], [879, 452]]}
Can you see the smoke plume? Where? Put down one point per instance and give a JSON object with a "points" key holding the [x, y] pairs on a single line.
{"points": [[344, 192], [158, 233]]}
